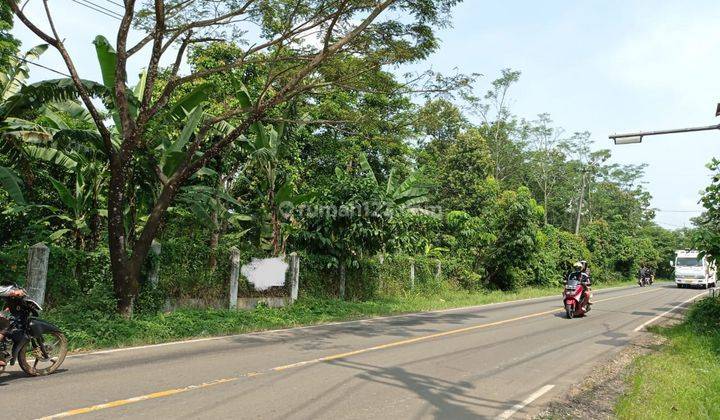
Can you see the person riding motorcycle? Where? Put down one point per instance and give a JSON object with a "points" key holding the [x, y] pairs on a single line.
{"points": [[7, 291], [581, 271], [646, 272]]}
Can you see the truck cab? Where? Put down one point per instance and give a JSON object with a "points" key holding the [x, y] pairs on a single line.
{"points": [[693, 270]]}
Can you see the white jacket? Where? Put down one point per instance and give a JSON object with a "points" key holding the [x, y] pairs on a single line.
{"points": [[5, 290]]}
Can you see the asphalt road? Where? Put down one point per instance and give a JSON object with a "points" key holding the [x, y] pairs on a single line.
{"points": [[490, 361]]}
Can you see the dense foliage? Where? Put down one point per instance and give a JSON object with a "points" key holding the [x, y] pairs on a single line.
{"points": [[360, 171]]}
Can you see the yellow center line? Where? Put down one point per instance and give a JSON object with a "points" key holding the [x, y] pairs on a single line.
{"points": [[175, 391]]}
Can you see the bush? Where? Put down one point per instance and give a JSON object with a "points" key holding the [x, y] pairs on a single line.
{"points": [[704, 316], [558, 250]]}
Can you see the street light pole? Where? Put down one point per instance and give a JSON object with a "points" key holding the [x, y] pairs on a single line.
{"points": [[630, 138]]}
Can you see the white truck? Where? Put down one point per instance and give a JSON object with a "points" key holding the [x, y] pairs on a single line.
{"points": [[691, 270]]}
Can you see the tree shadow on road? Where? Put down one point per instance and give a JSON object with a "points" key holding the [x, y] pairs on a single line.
{"points": [[445, 399]]}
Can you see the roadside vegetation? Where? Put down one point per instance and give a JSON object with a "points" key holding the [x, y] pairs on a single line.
{"points": [[101, 328], [683, 379]]}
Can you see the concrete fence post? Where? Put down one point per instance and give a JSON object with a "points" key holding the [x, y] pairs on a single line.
{"points": [[341, 287], [412, 274], [234, 276], [154, 274], [294, 276], [438, 270], [37, 268]]}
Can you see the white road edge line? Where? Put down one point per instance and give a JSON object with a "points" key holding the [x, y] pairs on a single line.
{"points": [[527, 401], [377, 318], [646, 323]]}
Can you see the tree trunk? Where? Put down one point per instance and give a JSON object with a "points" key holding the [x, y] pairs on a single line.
{"points": [[142, 245], [95, 221], [341, 289], [122, 283]]}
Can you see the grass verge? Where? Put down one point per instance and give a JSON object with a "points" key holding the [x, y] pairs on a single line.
{"points": [[89, 330], [682, 381]]}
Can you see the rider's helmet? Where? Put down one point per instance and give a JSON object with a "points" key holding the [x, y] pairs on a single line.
{"points": [[578, 266]]}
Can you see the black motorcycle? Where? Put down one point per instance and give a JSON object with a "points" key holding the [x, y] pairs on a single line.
{"points": [[38, 346]]}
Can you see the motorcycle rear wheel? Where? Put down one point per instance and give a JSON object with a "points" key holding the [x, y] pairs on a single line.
{"points": [[30, 355]]}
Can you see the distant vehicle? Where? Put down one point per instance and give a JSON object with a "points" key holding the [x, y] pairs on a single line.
{"points": [[691, 270]]}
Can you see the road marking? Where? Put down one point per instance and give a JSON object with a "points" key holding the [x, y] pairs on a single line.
{"points": [[519, 406], [356, 321], [168, 393], [645, 324], [152, 396]]}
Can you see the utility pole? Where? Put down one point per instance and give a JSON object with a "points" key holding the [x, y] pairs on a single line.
{"points": [[580, 202]]}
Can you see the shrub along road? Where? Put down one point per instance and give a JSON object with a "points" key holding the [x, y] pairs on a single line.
{"points": [[497, 360]]}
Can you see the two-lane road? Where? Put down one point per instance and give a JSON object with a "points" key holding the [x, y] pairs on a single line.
{"points": [[488, 361]]}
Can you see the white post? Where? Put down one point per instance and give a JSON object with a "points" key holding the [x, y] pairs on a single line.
{"points": [[38, 257], [438, 270], [412, 274], [294, 276], [234, 275], [154, 274]]}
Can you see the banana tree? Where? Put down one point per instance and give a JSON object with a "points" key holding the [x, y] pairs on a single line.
{"points": [[80, 213], [30, 122], [280, 196], [408, 194], [14, 79]]}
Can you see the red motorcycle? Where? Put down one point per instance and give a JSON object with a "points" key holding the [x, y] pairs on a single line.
{"points": [[576, 296]]}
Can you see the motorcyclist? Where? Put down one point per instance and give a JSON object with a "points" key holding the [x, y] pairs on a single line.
{"points": [[645, 272], [581, 271], [7, 291], [585, 268]]}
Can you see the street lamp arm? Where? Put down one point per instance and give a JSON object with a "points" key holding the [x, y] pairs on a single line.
{"points": [[658, 132]]}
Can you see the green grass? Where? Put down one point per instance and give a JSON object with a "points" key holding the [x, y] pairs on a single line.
{"points": [[682, 381], [88, 330]]}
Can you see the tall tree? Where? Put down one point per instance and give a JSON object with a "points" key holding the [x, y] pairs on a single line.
{"points": [[505, 134], [296, 40]]}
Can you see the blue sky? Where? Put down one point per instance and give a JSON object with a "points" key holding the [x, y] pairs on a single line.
{"points": [[602, 66]]}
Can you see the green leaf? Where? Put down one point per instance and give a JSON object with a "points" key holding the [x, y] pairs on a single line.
{"points": [[367, 169], [284, 193], [11, 183], [49, 154], [13, 80], [139, 89], [34, 95], [188, 130], [64, 193], [58, 234], [391, 182], [175, 155], [190, 101], [107, 58]]}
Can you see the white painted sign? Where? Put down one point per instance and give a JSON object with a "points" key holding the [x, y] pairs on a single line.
{"points": [[265, 273]]}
